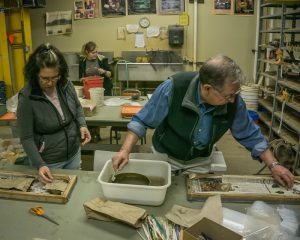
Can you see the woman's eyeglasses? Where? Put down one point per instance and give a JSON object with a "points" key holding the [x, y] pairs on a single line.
{"points": [[49, 79]]}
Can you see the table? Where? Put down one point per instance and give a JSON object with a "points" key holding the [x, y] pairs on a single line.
{"points": [[111, 115], [17, 223]]}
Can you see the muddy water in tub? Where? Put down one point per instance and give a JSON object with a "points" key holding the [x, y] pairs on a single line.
{"points": [[138, 179]]}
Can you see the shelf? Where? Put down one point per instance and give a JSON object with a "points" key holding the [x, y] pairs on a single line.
{"points": [[294, 105], [273, 16], [271, 31], [290, 84], [276, 5], [269, 61], [292, 30], [266, 104], [265, 118], [292, 12], [290, 120], [284, 134], [286, 28], [264, 46], [265, 74]]}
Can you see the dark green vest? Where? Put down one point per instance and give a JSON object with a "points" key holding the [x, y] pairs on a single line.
{"points": [[174, 135]]}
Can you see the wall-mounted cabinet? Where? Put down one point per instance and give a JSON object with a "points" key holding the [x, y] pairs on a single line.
{"points": [[278, 73]]}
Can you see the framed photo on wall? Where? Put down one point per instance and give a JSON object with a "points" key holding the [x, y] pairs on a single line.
{"points": [[111, 8], [223, 7], [244, 7], [141, 6], [171, 6], [84, 9]]}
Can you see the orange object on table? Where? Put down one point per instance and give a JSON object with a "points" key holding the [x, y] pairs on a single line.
{"points": [[9, 116], [128, 111]]}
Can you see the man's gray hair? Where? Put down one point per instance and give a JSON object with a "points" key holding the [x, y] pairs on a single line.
{"points": [[220, 69]]}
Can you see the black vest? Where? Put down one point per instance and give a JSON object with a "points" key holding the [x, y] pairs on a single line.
{"points": [[174, 135]]}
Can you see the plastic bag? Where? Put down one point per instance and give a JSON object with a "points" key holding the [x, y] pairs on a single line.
{"points": [[264, 223], [12, 103]]}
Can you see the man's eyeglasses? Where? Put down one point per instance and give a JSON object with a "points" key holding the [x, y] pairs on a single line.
{"points": [[49, 79], [228, 97]]}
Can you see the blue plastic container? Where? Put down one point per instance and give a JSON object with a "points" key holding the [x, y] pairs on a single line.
{"points": [[254, 115]]}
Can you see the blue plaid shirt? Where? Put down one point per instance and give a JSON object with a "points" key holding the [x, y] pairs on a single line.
{"points": [[243, 129]]}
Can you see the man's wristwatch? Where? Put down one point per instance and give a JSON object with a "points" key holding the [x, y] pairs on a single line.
{"points": [[273, 164]]}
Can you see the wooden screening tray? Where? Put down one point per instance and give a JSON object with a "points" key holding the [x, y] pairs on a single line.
{"points": [[129, 111], [44, 196], [240, 188]]}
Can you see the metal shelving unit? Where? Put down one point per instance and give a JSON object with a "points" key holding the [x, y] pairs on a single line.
{"points": [[278, 73]]}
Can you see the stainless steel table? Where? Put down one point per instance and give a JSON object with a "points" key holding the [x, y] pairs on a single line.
{"points": [[17, 223]]}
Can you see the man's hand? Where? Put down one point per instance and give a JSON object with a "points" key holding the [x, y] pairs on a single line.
{"points": [[122, 157], [85, 135], [120, 160], [283, 176], [45, 175]]}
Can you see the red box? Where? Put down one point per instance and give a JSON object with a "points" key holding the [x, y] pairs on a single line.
{"points": [[91, 82], [129, 111]]}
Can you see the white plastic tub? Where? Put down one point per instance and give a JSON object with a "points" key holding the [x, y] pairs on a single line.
{"points": [[138, 194]]}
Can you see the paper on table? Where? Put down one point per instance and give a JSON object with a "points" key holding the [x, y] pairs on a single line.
{"points": [[104, 210], [120, 101], [139, 40], [187, 217], [116, 101]]}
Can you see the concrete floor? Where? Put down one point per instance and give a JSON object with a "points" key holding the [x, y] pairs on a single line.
{"points": [[237, 158]]}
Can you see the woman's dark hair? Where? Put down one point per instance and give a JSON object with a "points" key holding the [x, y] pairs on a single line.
{"points": [[87, 48], [45, 56], [218, 70]]}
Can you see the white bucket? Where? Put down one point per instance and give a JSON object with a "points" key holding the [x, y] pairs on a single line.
{"points": [[250, 96], [97, 95], [79, 91]]}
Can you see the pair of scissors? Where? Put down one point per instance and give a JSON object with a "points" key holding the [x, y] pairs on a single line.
{"points": [[39, 211]]}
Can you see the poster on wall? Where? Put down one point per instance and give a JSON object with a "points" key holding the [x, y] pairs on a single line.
{"points": [[113, 8], [223, 7], [171, 6], [84, 9], [141, 6], [244, 7], [59, 22]]}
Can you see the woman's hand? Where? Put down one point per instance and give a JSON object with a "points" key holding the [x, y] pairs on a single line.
{"points": [[45, 175], [85, 135], [104, 72], [101, 71]]}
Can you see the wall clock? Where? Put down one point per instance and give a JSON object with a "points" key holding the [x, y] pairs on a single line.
{"points": [[144, 22]]}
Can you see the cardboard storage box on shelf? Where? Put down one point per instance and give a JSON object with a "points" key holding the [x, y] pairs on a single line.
{"points": [[211, 229]]}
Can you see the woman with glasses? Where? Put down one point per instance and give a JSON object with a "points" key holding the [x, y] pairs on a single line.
{"points": [[50, 119], [191, 111]]}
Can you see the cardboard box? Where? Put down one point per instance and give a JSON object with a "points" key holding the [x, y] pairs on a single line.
{"points": [[88, 106], [211, 229]]}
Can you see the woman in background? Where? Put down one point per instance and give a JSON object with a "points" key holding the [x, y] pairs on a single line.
{"points": [[50, 118], [94, 64]]}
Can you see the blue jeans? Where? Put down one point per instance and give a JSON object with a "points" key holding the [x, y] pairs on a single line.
{"points": [[73, 163]]}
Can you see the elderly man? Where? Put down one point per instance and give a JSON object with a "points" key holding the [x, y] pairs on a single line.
{"points": [[192, 111]]}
